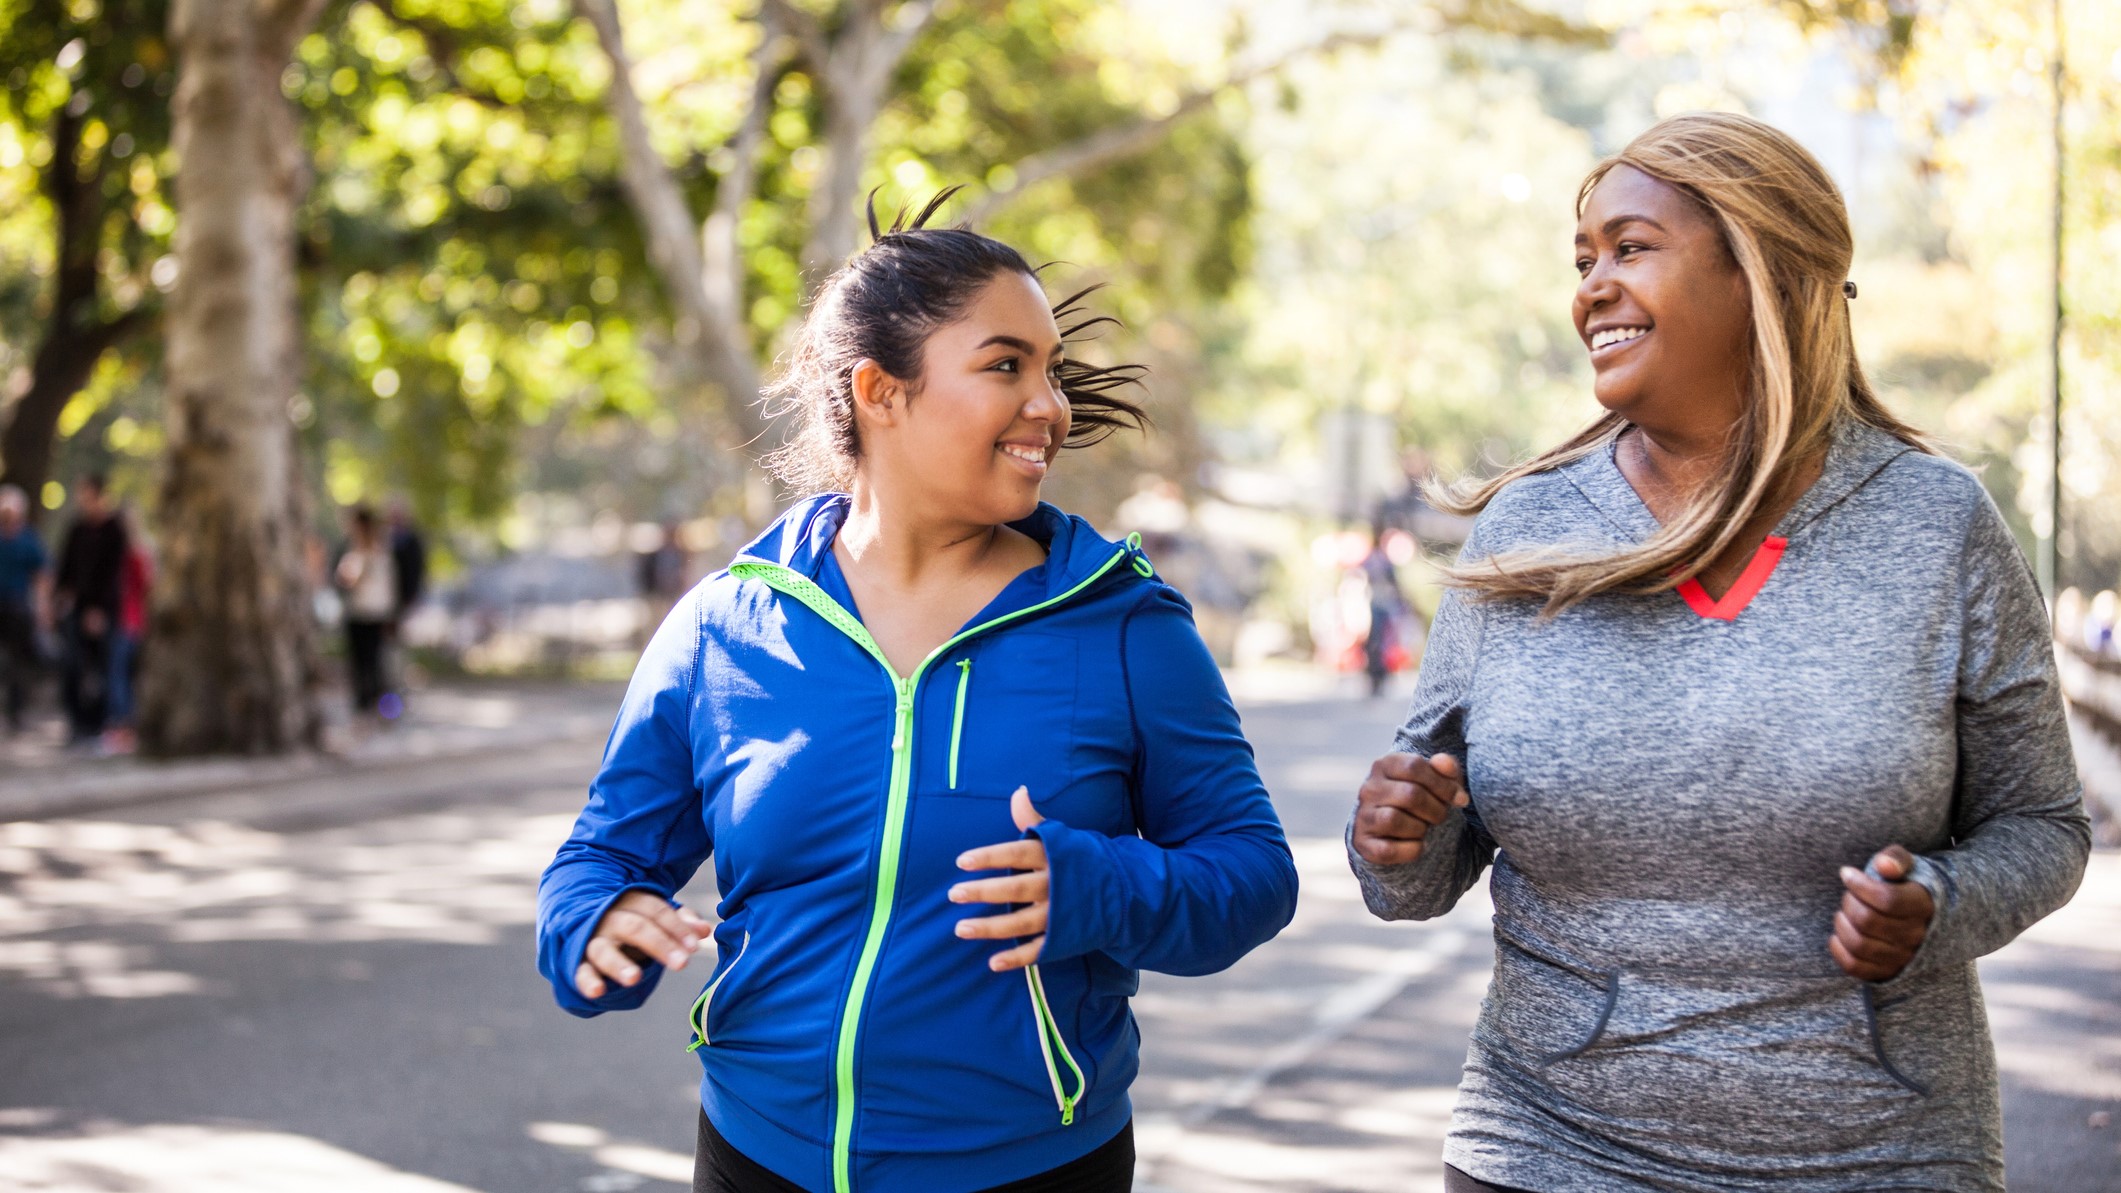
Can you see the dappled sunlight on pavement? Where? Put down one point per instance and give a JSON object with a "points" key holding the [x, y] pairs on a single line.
{"points": [[190, 1158], [326, 983], [449, 877]]}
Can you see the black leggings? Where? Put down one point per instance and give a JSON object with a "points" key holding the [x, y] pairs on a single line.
{"points": [[364, 658], [718, 1167]]}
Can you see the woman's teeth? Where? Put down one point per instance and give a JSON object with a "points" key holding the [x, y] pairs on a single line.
{"points": [[1029, 455], [1616, 335]]}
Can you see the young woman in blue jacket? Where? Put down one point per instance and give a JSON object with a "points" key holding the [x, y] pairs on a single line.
{"points": [[963, 765]]}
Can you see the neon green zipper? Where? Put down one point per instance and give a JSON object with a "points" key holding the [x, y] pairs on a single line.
{"points": [[792, 583], [957, 719], [1051, 1040], [706, 998]]}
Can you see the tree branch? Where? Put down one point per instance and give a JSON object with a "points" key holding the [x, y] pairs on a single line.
{"points": [[441, 44], [1108, 145], [1118, 142], [710, 329], [282, 23], [809, 33], [913, 20], [855, 81], [724, 266]]}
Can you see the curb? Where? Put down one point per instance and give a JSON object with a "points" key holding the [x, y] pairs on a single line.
{"points": [[129, 783]]}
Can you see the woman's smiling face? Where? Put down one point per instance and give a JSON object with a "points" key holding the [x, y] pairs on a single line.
{"points": [[1662, 307], [987, 416]]}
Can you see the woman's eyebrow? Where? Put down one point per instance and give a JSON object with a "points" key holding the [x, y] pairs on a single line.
{"points": [[1620, 221], [1021, 345]]}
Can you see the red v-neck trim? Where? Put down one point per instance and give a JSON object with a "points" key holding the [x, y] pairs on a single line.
{"points": [[1741, 594]]}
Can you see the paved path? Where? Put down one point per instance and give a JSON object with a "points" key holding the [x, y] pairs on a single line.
{"points": [[324, 983]]}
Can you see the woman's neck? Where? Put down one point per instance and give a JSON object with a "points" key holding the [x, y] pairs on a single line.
{"points": [[1668, 467], [902, 549]]}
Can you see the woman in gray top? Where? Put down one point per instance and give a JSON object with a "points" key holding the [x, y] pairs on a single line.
{"points": [[1747, 696]]}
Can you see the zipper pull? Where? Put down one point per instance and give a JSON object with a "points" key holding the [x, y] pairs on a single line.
{"points": [[903, 717], [1068, 1115]]}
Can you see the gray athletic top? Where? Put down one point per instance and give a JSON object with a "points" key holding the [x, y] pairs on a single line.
{"points": [[1666, 799]]}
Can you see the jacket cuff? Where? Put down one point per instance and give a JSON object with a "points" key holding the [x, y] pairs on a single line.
{"points": [[1936, 947], [1079, 870], [616, 997]]}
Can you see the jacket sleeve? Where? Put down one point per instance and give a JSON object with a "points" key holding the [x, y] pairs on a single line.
{"points": [[645, 826], [1455, 851], [2020, 837], [1210, 877]]}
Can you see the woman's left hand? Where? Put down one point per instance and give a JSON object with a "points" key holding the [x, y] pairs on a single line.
{"points": [[1028, 888], [1882, 921]]}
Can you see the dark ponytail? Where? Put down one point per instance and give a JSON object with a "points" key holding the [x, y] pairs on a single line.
{"points": [[883, 306]]}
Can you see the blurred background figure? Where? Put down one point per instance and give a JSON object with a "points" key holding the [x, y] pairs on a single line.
{"points": [[1385, 642], [86, 596], [25, 611], [408, 555], [366, 577], [2099, 622], [408, 558], [660, 575], [136, 572], [1366, 623]]}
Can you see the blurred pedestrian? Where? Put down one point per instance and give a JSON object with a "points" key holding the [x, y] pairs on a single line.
{"points": [[2069, 616], [366, 577], [1748, 698], [2100, 619], [1388, 611], [128, 635], [1022, 720], [659, 576], [86, 596], [25, 603], [408, 559]]}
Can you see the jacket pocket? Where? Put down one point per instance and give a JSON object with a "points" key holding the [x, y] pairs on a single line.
{"points": [[1003, 713], [703, 1006], [1911, 1019], [1656, 1053], [1069, 1084], [1551, 1009]]}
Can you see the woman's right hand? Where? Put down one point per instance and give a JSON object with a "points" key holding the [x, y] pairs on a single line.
{"points": [[638, 925], [1404, 795]]}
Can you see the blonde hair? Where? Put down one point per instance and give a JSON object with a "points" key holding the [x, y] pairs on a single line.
{"points": [[1785, 225]]}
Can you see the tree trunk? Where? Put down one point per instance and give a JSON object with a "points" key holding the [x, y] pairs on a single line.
{"points": [[232, 668], [857, 62]]}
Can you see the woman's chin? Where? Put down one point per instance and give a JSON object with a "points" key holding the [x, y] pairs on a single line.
{"points": [[1617, 396]]}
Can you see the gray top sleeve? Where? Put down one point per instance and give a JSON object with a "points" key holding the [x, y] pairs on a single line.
{"points": [[1456, 851], [2020, 838]]}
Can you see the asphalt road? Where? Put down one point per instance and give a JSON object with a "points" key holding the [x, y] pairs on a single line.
{"points": [[327, 985]]}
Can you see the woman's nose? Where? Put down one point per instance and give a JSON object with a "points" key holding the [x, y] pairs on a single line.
{"points": [[1048, 403], [1596, 288]]}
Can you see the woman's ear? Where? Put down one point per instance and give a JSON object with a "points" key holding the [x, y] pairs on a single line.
{"points": [[879, 398]]}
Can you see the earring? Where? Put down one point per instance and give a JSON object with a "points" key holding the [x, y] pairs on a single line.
{"points": [[1849, 288]]}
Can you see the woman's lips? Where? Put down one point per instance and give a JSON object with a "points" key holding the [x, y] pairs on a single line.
{"points": [[1025, 456], [1608, 351]]}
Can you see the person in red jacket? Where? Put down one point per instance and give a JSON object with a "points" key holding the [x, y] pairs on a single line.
{"points": [[136, 577]]}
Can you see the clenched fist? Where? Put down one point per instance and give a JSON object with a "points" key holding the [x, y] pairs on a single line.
{"points": [[1883, 917], [1405, 795], [641, 928]]}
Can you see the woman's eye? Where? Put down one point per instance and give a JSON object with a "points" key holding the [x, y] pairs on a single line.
{"points": [[1627, 249], [1583, 266], [1006, 366]]}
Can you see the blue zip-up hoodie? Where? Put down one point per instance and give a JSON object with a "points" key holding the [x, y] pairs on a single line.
{"points": [[850, 1040]]}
